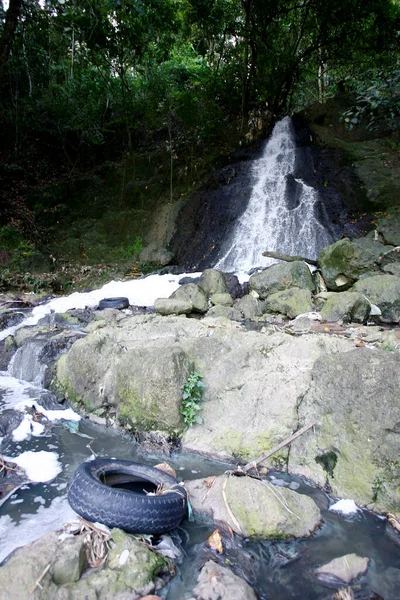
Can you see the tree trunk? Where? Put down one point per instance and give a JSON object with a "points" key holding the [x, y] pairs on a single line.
{"points": [[10, 26]]}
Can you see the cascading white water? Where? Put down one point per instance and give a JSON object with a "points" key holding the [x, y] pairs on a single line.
{"points": [[280, 213]]}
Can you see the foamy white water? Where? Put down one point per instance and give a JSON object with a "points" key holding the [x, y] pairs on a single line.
{"points": [[280, 213], [140, 292]]}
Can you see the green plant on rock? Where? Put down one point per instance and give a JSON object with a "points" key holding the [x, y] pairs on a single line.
{"points": [[192, 396]]}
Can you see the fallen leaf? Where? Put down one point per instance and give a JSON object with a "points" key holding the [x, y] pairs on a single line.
{"points": [[226, 528], [209, 480], [215, 541], [360, 345], [326, 328], [164, 466]]}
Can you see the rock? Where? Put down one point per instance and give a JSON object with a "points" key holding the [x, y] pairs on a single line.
{"points": [[144, 381], [353, 398], [248, 375], [344, 262], [389, 228], [190, 292], [280, 277], [222, 299], [249, 307], [8, 348], [219, 583], [226, 312], [9, 420], [154, 253], [390, 257], [392, 269], [69, 561], [172, 306], [132, 577], [347, 307], [9, 318], [291, 302], [342, 570], [373, 246], [384, 291], [213, 282], [233, 286], [257, 510]]}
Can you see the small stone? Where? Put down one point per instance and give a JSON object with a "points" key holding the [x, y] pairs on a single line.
{"points": [[343, 569], [219, 583]]}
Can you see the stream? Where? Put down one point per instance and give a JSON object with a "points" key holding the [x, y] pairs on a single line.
{"points": [[276, 569]]}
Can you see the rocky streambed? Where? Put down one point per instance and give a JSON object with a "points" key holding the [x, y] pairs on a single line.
{"points": [[283, 356]]}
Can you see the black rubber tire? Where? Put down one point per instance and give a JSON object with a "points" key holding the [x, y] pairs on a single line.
{"points": [[125, 509], [114, 303]]}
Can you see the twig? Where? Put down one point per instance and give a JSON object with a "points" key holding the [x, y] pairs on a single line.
{"points": [[232, 516], [288, 258], [260, 459], [37, 583]]}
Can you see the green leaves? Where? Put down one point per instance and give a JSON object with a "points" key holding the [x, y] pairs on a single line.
{"points": [[192, 396]]}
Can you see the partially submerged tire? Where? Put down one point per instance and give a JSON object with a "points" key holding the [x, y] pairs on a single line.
{"points": [[114, 303], [92, 496]]}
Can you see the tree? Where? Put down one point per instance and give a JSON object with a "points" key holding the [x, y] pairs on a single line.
{"points": [[8, 34]]}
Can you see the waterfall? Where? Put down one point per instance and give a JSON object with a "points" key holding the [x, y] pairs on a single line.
{"points": [[280, 215]]}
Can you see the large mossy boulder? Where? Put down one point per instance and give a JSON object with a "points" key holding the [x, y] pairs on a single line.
{"points": [[140, 382], [343, 262], [192, 293], [280, 277], [258, 511], [257, 379], [291, 302], [130, 571], [353, 399], [345, 306], [384, 291]]}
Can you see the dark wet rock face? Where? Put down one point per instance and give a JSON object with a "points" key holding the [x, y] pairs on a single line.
{"points": [[210, 215]]}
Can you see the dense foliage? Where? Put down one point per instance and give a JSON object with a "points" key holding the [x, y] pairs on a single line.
{"points": [[83, 81]]}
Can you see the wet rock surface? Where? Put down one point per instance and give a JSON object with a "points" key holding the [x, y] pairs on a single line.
{"points": [[254, 508], [60, 567], [219, 583]]}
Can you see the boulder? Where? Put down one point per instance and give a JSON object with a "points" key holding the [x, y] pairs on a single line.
{"points": [[141, 380], [213, 282], [384, 291], [216, 582], [392, 269], [190, 292], [347, 307], [222, 299], [342, 570], [353, 399], [253, 508], [172, 306], [291, 302], [249, 307], [226, 312], [281, 276], [8, 348], [130, 577], [390, 257], [258, 379], [389, 228], [343, 262]]}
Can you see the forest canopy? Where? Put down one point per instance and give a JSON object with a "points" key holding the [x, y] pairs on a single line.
{"points": [[95, 77]]}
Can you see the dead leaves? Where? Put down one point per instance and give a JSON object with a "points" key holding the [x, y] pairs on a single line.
{"points": [[215, 541], [164, 466]]}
